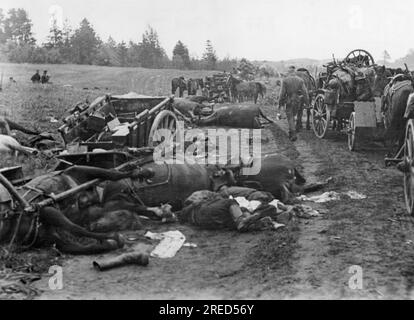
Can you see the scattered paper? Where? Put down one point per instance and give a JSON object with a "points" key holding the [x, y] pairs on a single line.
{"points": [[249, 205], [190, 245], [355, 195], [171, 242], [113, 124], [331, 196], [324, 197]]}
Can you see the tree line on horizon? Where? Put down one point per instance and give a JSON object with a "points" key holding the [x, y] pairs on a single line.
{"points": [[83, 45]]}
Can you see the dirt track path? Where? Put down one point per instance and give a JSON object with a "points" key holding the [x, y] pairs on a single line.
{"points": [[310, 260]]}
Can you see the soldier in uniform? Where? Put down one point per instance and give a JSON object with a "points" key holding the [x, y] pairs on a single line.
{"points": [[292, 94], [36, 77], [45, 77]]}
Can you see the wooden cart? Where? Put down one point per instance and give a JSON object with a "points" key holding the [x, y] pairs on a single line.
{"points": [[218, 87], [113, 122], [359, 119]]}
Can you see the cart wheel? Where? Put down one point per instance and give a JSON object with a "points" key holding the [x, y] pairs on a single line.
{"points": [[360, 58], [164, 120], [409, 175], [320, 116], [351, 132]]}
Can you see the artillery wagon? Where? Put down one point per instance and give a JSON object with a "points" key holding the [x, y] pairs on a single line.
{"points": [[345, 99], [118, 121]]}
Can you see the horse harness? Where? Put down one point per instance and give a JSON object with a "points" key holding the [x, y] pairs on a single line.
{"points": [[35, 221]]}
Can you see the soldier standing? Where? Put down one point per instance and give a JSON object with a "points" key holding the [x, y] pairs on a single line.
{"points": [[292, 94]]}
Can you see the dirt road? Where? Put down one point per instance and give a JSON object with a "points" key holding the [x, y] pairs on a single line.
{"points": [[311, 259]]}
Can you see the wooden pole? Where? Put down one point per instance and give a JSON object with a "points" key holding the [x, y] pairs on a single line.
{"points": [[10, 188], [52, 198], [68, 193]]}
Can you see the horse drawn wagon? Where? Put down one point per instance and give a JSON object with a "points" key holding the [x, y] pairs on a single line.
{"points": [[348, 98], [218, 86], [114, 122]]}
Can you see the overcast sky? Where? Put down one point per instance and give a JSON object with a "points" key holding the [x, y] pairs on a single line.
{"points": [[255, 29]]}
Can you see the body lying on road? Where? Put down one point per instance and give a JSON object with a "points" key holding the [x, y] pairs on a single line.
{"points": [[211, 210]]}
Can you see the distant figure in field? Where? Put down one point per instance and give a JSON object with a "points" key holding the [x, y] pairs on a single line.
{"points": [[45, 77], [36, 77]]}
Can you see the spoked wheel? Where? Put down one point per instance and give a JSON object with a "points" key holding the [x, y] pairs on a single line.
{"points": [[168, 121], [320, 117], [360, 58], [351, 132], [409, 172]]}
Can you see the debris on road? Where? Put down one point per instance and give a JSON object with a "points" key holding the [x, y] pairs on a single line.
{"points": [[324, 197], [355, 195], [171, 242], [190, 245], [137, 258], [332, 196], [251, 206]]}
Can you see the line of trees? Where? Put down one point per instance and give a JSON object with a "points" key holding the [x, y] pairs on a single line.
{"points": [[83, 46]]}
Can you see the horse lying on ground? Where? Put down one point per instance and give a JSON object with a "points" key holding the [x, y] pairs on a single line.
{"points": [[238, 116], [6, 125], [64, 223], [75, 225], [173, 183], [190, 109], [71, 223], [278, 176], [10, 145], [198, 99], [39, 140]]}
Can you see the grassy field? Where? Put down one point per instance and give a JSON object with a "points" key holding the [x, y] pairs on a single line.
{"points": [[33, 105], [72, 83]]}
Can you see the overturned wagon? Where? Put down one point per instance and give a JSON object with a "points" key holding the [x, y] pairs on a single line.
{"points": [[118, 121]]}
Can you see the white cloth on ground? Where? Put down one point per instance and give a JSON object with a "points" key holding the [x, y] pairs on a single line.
{"points": [[171, 242]]}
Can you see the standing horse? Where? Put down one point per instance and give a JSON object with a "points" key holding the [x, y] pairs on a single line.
{"points": [[178, 83], [394, 105], [261, 89], [232, 83], [311, 86], [192, 87]]}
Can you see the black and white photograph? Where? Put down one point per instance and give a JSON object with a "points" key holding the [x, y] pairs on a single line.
{"points": [[224, 152]]}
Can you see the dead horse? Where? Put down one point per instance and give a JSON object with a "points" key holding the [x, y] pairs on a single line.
{"points": [[172, 183], [61, 223], [236, 116]]}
